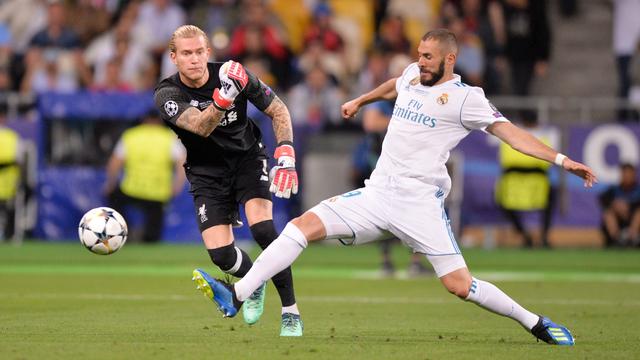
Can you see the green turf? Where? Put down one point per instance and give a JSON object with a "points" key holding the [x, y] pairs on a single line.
{"points": [[58, 301]]}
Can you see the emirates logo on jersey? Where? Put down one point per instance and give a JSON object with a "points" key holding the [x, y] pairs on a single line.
{"points": [[443, 99]]}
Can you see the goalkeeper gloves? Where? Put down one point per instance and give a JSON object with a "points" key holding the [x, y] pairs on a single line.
{"points": [[284, 177], [233, 80]]}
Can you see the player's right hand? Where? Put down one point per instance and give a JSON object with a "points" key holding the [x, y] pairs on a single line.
{"points": [[350, 108], [233, 79]]}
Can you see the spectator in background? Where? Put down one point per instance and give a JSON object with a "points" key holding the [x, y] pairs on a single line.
{"points": [[122, 43], [89, 18], [54, 55], [484, 22], [23, 19], [392, 38], [528, 42], [626, 37], [524, 185], [113, 80], [214, 16], [621, 209], [315, 102], [157, 19], [254, 50], [10, 174], [470, 64], [259, 31], [150, 157], [320, 30], [374, 72]]}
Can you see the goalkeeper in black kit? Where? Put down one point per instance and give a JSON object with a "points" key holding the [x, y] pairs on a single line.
{"points": [[206, 105]]}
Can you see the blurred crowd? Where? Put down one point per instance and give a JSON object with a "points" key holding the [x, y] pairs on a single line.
{"points": [[315, 53]]}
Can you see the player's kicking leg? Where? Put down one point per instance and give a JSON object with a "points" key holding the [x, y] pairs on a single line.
{"points": [[264, 234], [488, 296], [276, 257]]}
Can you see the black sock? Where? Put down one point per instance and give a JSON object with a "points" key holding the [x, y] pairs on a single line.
{"points": [[226, 258], [264, 233]]}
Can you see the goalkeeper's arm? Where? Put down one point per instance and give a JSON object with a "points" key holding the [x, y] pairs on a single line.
{"points": [[385, 91]]}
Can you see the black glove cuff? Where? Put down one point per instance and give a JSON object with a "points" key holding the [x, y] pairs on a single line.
{"points": [[285, 142]]}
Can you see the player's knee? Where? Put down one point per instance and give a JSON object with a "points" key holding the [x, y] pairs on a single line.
{"points": [[311, 226], [456, 287], [225, 257]]}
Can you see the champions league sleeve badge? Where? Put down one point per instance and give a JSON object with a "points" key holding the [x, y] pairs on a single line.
{"points": [[171, 108]]}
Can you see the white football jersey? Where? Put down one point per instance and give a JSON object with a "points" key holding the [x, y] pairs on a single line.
{"points": [[427, 122]]}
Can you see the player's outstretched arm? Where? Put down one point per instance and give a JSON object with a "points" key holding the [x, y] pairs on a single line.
{"points": [[526, 143], [386, 91]]}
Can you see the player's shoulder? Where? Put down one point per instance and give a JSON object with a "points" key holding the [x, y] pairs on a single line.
{"points": [[171, 82], [470, 92], [410, 72]]}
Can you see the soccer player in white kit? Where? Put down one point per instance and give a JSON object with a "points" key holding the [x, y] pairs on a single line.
{"points": [[405, 195]]}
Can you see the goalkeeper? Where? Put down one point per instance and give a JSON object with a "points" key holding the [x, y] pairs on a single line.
{"points": [[206, 105]]}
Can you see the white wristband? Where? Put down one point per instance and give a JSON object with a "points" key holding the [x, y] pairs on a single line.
{"points": [[560, 159]]}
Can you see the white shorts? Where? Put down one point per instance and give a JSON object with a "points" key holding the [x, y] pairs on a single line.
{"points": [[417, 219]]}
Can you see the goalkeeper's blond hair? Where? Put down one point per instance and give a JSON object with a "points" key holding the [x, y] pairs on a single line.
{"points": [[186, 31]]}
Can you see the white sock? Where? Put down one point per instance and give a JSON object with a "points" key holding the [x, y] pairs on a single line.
{"points": [[293, 309], [488, 296], [282, 252]]}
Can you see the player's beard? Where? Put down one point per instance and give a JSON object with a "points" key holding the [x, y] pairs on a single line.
{"points": [[435, 76]]}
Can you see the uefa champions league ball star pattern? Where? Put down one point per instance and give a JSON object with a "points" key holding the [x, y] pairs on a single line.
{"points": [[102, 231]]}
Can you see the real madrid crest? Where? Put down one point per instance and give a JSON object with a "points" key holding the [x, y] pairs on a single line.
{"points": [[443, 99]]}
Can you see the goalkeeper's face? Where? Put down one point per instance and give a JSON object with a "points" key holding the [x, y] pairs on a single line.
{"points": [[191, 58]]}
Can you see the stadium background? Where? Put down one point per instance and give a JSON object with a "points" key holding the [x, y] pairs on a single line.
{"points": [[71, 99]]}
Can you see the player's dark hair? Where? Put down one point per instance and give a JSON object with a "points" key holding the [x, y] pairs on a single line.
{"points": [[445, 37]]}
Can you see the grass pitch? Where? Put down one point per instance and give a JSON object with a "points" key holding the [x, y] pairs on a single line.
{"points": [[58, 301]]}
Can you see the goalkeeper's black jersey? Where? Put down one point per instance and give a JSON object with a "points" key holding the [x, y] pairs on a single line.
{"points": [[236, 133]]}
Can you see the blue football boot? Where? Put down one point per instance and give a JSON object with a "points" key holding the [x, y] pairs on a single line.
{"points": [[552, 333], [218, 291]]}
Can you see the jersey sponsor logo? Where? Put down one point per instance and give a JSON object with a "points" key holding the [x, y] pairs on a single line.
{"points": [[229, 117], [443, 99], [171, 108], [202, 212], [413, 114]]}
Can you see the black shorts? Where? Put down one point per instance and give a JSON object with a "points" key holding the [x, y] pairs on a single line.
{"points": [[217, 190]]}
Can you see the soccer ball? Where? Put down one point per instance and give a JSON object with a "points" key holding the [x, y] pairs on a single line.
{"points": [[102, 230]]}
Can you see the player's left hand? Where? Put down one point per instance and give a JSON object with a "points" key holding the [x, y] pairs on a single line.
{"points": [[284, 178], [233, 79], [580, 170]]}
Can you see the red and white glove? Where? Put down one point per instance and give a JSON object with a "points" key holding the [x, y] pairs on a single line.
{"points": [[233, 80], [284, 179]]}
